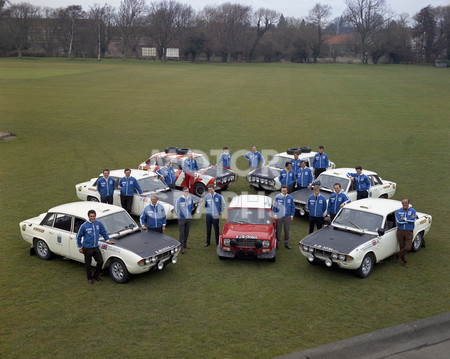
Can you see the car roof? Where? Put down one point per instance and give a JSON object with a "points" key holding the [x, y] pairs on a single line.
{"points": [[300, 156], [342, 172], [379, 206], [175, 155], [251, 201], [138, 174], [80, 209]]}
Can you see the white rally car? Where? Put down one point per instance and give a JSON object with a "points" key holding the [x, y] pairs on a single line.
{"points": [[379, 188], [363, 233], [218, 176], [133, 252], [267, 177], [150, 185]]}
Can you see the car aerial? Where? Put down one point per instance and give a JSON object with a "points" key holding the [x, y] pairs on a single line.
{"points": [[150, 185], [133, 252], [267, 178], [218, 176], [363, 233], [379, 188], [249, 230]]}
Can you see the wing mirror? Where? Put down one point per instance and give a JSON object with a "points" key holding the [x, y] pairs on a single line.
{"points": [[381, 231], [327, 220]]}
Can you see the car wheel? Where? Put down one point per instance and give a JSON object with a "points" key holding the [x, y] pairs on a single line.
{"points": [[305, 149], [274, 259], [366, 266], [199, 189], [170, 149], [118, 271], [182, 151], [92, 199], [42, 250], [417, 242], [222, 258], [290, 151]]}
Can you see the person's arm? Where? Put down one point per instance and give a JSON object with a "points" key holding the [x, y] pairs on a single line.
{"points": [[412, 217], [262, 159], [98, 183], [80, 235], [222, 204], [103, 232], [143, 218], [310, 178], [138, 187], [220, 159], [163, 218]]}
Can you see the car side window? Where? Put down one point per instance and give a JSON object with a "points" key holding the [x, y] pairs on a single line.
{"points": [[390, 222], [63, 221], [352, 186], [161, 161], [77, 224], [48, 220], [371, 180], [176, 165], [376, 180], [151, 161], [116, 181], [309, 161]]}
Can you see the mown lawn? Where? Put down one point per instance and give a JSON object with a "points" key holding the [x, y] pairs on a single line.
{"points": [[74, 118]]}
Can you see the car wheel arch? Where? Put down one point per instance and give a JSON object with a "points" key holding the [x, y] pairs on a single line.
{"points": [[368, 262], [43, 252], [416, 248], [118, 270]]}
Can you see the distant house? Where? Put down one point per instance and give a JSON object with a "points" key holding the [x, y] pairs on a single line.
{"points": [[344, 45]]}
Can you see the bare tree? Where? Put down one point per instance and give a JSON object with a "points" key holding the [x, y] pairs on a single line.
{"points": [[368, 16], [227, 26], [318, 17], [70, 17], [264, 20], [47, 29], [130, 20], [167, 20], [101, 17], [18, 20]]}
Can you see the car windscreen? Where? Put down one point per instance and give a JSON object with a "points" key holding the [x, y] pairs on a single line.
{"points": [[117, 222], [202, 161], [279, 162], [327, 182], [151, 184], [359, 220], [249, 216]]}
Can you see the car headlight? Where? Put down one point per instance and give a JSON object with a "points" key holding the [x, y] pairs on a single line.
{"points": [[305, 248], [341, 257], [154, 259], [334, 256], [266, 244], [311, 249], [256, 179], [147, 261], [226, 242]]}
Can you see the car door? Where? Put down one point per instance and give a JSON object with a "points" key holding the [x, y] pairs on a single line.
{"points": [[375, 188], [59, 234], [74, 252], [116, 195], [351, 191], [388, 244]]}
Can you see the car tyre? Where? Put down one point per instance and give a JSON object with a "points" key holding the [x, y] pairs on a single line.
{"points": [[92, 199], [274, 259], [366, 266], [118, 271], [42, 250], [199, 189], [304, 149], [222, 258], [182, 151], [417, 242], [171, 149], [290, 151]]}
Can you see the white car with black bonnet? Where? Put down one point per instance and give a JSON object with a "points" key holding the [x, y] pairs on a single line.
{"points": [[267, 177], [150, 184], [363, 233], [133, 252]]}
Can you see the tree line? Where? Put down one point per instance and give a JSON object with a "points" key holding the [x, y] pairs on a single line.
{"points": [[226, 32]]}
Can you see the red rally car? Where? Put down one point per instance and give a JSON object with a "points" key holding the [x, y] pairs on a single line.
{"points": [[249, 230], [207, 174]]}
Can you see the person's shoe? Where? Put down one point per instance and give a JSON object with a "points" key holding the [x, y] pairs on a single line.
{"points": [[98, 279], [405, 264], [90, 281], [182, 250], [288, 246], [206, 244]]}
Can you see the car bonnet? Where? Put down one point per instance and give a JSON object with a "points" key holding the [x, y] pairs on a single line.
{"points": [[145, 243]]}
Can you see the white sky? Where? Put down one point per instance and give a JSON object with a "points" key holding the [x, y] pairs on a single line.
{"points": [[289, 8]]}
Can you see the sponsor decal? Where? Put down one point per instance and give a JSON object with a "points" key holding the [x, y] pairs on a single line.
{"points": [[162, 250], [104, 246], [80, 188], [59, 239], [246, 237], [92, 189], [40, 230], [113, 249], [423, 221], [387, 186], [24, 227]]}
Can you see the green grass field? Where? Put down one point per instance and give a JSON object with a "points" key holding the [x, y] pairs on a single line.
{"points": [[74, 118]]}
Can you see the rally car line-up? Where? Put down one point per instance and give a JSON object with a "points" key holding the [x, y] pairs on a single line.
{"points": [[362, 233]]}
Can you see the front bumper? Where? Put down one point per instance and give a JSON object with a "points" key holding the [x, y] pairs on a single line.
{"points": [[245, 252]]}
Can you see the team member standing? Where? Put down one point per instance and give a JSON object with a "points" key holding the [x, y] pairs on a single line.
{"points": [[214, 205], [287, 177], [296, 162], [183, 209], [225, 159], [283, 210], [105, 187], [361, 181], [127, 185], [254, 158], [167, 174], [406, 217], [189, 168], [336, 201], [320, 162], [317, 205], [304, 176], [155, 216], [87, 241]]}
